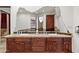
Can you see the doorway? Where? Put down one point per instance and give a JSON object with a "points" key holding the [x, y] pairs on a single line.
{"points": [[49, 22]]}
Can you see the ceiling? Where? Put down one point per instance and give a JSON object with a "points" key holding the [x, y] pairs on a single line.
{"points": [[37, 9], [32, 8], [46, 9]]}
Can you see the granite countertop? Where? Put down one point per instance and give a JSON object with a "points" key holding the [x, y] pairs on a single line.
{"points": [[37, 35]]}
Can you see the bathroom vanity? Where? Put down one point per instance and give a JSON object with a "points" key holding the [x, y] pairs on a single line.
{"points": [[53, 43], [37, 32]]}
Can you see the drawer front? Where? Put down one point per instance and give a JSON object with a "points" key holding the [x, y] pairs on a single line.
{"points": [[67, 39], [53, 39], [22, 39]]}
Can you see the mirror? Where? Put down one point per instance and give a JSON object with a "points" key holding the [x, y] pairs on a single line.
{"points": [[35, 21], [41, 20]]}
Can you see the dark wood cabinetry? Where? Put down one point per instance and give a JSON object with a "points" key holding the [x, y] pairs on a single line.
{"points": [[39, 44], [18, 45], [54, 44], [67, 45], [10, 45], [28, 45]]}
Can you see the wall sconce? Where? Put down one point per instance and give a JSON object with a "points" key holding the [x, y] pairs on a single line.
{"points": [[77, 29], [41, 19]]}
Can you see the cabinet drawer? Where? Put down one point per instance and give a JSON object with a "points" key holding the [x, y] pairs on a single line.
{"points": [[39, 38], [10, 39], [53, 39], [67, 40], [38, 49], [22, 39]]}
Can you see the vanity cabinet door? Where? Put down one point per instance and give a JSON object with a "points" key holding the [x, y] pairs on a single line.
{"points": [[67, 45], [28, 45], [19, 46], [19, 42], [54, 45], [23, 44], [10, 45], [38, 44]]}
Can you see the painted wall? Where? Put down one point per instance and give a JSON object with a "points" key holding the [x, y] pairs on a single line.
{"points": [[23, 21], [65, 20], [76, 36], [32, 8], [14, 10]]}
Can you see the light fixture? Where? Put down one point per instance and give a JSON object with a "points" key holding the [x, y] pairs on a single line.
{"points": [[41, 19], [77, 29]]}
